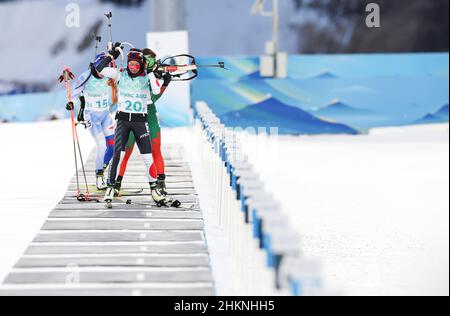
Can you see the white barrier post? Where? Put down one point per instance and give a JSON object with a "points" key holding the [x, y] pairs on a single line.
{"points": [[263, 246]]}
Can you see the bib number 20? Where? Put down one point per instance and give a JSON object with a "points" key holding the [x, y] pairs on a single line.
{"points": [[134, 107]]}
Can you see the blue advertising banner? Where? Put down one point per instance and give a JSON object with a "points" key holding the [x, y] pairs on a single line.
{"points": [[322, 94], [330, 93]]}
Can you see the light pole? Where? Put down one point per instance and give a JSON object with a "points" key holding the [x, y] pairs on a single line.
{"points": [[272, 63], [258, 8]]}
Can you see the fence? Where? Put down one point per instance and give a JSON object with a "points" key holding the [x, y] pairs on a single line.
{"points": [[262, 242]]}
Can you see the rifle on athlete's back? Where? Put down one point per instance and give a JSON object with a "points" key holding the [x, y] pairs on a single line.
{"points": [[185, 72]]}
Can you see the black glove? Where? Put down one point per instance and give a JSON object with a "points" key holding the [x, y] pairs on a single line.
{"points": [[69, 106], [114, 52], [167, 79], [158, 74]]}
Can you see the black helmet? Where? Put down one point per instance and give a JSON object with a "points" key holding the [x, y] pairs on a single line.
{"points": [[136, 55]]}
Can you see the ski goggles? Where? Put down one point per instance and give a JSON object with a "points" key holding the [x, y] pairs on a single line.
{"points": [[134, 66], [151, 61]]}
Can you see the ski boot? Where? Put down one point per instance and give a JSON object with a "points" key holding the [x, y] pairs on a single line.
{"points": [[100, 182], [162, 184], [118, 185], [159, 197], [111, 192]]}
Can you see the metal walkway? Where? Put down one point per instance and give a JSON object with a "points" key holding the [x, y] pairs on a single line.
{"points": [[131, 249]]}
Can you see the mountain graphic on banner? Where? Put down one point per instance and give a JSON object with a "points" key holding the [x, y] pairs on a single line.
{"points": [[440, 116], [288, 119]]}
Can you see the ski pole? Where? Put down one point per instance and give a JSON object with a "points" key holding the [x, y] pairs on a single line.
{"points": [[66, 77], [82, 163], [120, 49], [128, 44], [98, 40], [81, 156], [121, 55], [110, 43]]}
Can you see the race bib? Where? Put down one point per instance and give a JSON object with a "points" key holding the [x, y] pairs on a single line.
{"points": [[133, 102], [134, 94], [97, 102], [97, 94]]}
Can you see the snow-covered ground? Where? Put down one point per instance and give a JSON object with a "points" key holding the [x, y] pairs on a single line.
{"points": [[36, 166], [374, 208]]}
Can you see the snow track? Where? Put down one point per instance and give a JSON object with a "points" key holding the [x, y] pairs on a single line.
{"points": [[157, 252]]}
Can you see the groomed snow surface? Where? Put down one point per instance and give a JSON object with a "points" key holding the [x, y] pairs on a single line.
{"points": [[36, 167], [374, 208]]}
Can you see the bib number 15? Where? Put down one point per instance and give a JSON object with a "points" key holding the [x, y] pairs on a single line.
{"points": [[134, 107], [102, 105]]}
